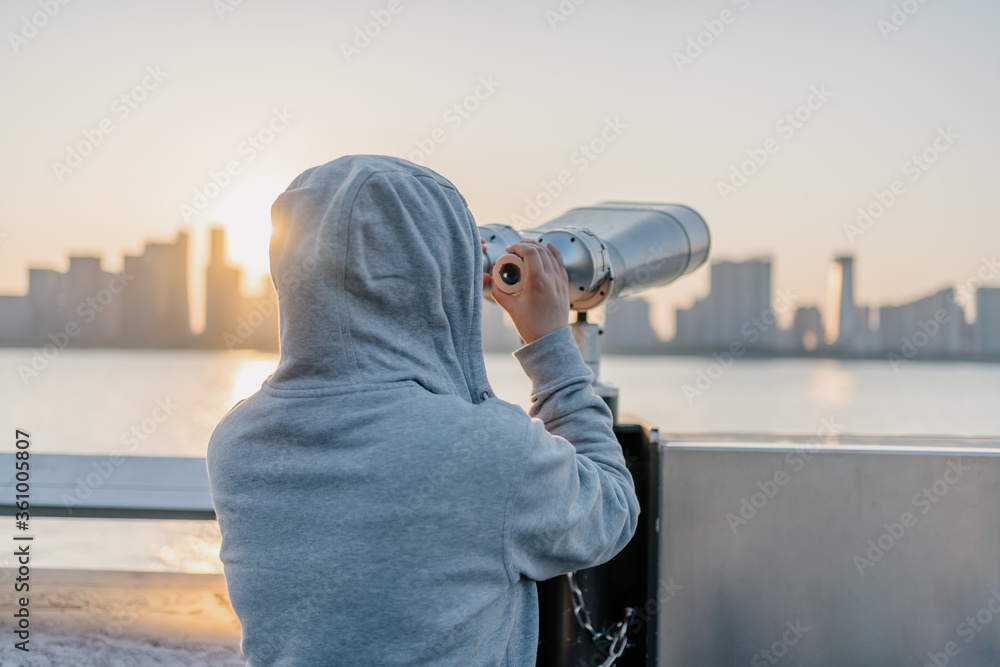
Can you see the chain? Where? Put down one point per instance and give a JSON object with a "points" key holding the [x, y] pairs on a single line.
{"points": [[619, 642], [615, 637], [580, 608]]}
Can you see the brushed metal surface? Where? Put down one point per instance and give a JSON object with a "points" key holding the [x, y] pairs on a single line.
{"points": [[830, 554]]}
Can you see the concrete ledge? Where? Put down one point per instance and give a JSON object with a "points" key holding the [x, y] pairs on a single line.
{"points": [[137, 614]]}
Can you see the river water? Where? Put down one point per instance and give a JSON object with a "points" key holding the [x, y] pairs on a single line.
{"points": [[96, 401]]}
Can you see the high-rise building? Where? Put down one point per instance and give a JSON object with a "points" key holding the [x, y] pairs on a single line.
{"points": [[808, 328], [928, 327], [155, 299], [90, 303], [223, 302], [691, 325], [137, 325], [841, 312], [15, 320], [987, 328], [257, 323], [736, 309], [169, 263], [863, 318], [43, 294], [867, 340], [627, 327]]}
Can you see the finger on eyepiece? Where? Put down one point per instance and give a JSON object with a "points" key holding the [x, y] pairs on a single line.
{"points": [[556, 253], [523, 248], [533, 254]]}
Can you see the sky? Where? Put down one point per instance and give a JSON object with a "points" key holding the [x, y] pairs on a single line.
{"points": [[777, 120]]}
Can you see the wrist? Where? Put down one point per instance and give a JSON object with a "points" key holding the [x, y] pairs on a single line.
{"points": [[535, 333], [551, 357]]}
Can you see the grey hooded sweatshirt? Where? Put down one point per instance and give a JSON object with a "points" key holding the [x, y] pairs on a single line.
{"points": [[378, 504]]}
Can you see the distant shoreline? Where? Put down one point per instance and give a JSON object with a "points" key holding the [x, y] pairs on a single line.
{"points": [[747, 354]]}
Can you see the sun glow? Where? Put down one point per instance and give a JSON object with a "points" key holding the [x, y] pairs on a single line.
{"points": [[245, 212]]}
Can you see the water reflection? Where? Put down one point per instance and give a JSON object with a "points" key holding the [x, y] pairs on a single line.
{"points": [[831, 385], [195, 552], [248, 372]]}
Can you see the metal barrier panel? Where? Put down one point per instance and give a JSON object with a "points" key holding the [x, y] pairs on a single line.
{"points": [[629, 580], [815, 555], [117, 487]]}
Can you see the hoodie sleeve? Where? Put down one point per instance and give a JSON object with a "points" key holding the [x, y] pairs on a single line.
{"points": [[574, 504]]}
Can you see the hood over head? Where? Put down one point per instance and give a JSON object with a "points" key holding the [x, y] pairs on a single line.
{"points": [[377, 265]]}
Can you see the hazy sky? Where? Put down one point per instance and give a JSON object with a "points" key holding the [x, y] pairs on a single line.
{"points": [[684, 126]]}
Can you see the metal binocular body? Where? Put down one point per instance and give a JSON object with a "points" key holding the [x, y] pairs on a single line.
{"points": [[611, 250]]}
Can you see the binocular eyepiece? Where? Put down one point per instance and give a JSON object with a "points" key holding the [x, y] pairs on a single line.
{"points": [[509, 273], [611, 250]]}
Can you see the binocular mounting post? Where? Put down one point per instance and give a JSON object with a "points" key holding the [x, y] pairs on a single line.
{"points": [[587, 336]]}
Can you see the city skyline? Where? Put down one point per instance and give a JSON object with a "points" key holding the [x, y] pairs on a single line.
{"points": [[147, 304], [741, 314], [885, 152]]}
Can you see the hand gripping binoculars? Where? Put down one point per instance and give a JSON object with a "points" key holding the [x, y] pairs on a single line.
{"points": [[611, 250]]}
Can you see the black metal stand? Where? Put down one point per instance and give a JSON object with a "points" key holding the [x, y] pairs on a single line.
{"points": [[630, 579]]}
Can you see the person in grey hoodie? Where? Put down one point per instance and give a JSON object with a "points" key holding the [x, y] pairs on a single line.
{"points": [[379, 505]]}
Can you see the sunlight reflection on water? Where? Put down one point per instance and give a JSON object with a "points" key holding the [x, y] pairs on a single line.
{"points": [[88, 399]]}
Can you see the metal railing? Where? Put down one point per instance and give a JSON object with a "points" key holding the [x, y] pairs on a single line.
{"points": [[753, 550], [115, 487]]}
